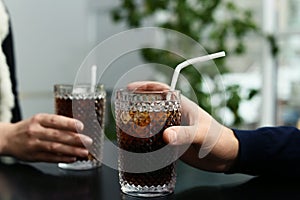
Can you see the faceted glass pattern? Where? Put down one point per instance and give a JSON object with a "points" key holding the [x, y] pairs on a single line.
{"points": [[141, 119], [89, 108]]}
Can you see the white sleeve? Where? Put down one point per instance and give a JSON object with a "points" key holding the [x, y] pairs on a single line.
{"points": [[6, 94]]}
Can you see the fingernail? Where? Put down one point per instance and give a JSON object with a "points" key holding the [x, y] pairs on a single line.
{"points": [[86, 140], [79, 125], [84, 152], [172, 137]]}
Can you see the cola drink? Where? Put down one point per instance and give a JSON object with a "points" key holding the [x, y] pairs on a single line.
{"points": [[89, 108], [140, 122]]}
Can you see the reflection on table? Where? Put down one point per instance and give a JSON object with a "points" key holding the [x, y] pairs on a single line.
{"points": [[35, 181]]}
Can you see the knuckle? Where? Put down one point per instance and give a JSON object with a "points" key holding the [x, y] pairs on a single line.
{"points": [[36, 118], [76, 138], [32, 144], [56, 134], [53, 147], [31, 130], [188, 136], [53, 119]]}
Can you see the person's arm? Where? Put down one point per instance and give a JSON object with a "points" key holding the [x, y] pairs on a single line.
{"points": [[265, 151], [268, 151], [43, 137]]}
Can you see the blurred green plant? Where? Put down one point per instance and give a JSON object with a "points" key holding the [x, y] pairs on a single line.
{"points": [[215, 24]]}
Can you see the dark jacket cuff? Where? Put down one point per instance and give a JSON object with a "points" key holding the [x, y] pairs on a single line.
{"points": [[268, 150]]}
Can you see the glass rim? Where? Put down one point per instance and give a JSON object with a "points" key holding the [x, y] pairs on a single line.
{"points": [[81, 89], [68, 85], [127, 91], [146, 95]]}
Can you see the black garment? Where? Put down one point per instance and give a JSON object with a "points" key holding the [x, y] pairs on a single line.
{"points": [[268, 151], [8, 50]]}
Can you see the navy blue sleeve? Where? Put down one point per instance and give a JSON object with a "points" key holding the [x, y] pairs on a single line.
{"points": [[268, 151]]}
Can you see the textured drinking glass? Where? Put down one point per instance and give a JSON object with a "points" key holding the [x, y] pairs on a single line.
{"points": [[141, 118], [87, 105]]}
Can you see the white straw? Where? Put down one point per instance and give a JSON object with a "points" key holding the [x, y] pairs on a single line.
{"points": [[191, 61], [93, 77]]}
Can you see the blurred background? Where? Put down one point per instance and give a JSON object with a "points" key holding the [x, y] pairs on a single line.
{"points": [[261, 73]]}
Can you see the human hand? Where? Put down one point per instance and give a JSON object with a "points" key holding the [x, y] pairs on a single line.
{"points": [[44, 137], [208, 145]]}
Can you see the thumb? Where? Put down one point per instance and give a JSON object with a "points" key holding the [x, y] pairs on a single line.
{"points": [[179, 135]]}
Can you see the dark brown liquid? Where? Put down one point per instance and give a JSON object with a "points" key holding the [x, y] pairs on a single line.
{"points": [[142, 132], [88, 111]]}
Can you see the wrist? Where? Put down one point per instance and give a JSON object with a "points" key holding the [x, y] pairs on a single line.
{"points": [[5, 131], [233, 145], [226, 149]]}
